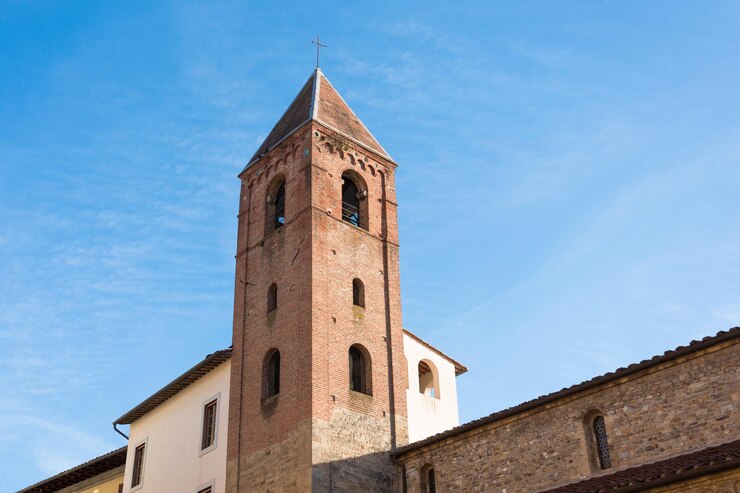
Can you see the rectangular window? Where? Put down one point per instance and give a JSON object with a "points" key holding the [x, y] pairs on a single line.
{"points": [[138, 471], [208, 438]]}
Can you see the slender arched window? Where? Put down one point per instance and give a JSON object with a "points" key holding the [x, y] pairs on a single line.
{"points": [[275, 207], [272, 374], [431, 481], [279, 216], [272, 298], [602, 444], [428, 480], [358, 293], [428, 379], [359, 370], [354, 200]]}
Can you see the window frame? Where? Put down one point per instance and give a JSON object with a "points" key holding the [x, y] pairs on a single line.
{"points": [[144, 446], [425, 472], [604, 463], [591, 441], [208, 487], [365, 367], [269, 384], [278, 211], [362, 212], [271, 204], [358, 292], [434, 377], [217, 399], [272, 298]]}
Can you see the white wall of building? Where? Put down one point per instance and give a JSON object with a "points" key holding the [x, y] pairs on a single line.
{"points": [[173, 461], [428, 415]]}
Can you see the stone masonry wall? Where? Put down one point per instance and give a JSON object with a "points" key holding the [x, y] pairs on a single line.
{"points": [[680, 405], [283, 466], [351, 453]]}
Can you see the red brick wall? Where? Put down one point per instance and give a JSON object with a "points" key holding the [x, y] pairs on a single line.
{"points": [[313, 259], [282, 257], [342, 252]]}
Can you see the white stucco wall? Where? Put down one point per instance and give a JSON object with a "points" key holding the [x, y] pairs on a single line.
{"points": [[172, 431], [429, 415]]}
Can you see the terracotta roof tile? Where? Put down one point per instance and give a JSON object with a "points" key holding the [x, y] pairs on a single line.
{"points": [[459, 367], [668, 471], [602, 379], [209, 363], [88, 470], [318, 101], [298, 113]]}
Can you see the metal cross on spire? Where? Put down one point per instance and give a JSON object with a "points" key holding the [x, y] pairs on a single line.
{"points": [[318, 44]]}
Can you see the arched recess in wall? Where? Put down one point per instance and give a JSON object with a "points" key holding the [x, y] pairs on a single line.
{"points": [[360, 370], [272, 297], [428, 479], [354, 199], [358, 293], [271, 374], [275, 205], [597, 440], [428, 379]]}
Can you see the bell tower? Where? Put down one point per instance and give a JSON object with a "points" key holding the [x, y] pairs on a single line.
{"points": [[318, 383]]}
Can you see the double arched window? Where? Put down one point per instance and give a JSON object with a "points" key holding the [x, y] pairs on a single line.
{"points": [[360, 379], [354, 200], [271, 386]]}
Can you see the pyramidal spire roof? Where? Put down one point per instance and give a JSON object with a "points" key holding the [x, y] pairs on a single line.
{"points": [[319, 101]]}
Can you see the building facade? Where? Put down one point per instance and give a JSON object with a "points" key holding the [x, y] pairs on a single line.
{"points": [[324, 390]]}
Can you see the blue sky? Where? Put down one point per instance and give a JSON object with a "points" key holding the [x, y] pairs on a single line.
{"points": [[569, 183]]}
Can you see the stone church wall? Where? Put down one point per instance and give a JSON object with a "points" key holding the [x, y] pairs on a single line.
{"points": [[683, 404]]}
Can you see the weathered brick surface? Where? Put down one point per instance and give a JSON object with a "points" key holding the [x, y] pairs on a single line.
{"points": [[317, 426], [684, 404], [282, 257]]}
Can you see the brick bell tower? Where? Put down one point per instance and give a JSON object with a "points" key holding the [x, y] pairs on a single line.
{"points": [[318, 374]]}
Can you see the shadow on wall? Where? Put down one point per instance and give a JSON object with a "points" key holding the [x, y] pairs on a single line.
{"points": [[376, 472]]}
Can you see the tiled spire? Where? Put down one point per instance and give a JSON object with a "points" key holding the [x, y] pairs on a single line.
{"points": [[319, 101]]}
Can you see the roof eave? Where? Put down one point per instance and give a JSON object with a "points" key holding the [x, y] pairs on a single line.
{"points": [[209, 363], [459, 368], [694, 346]]}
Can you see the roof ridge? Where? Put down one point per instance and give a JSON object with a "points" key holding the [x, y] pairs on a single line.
{"points": [[376, 141], [315, 94], [327, 108]]}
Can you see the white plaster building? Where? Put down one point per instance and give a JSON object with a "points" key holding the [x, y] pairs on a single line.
{"points": [[177, 439], [177, 436], [431, 396]]}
